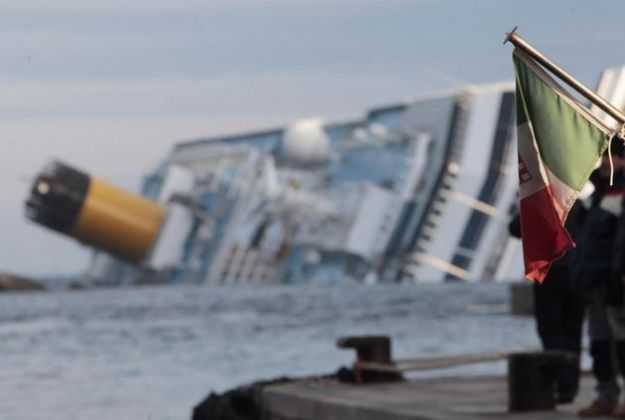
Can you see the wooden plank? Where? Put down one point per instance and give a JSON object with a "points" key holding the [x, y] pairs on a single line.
{"points": [[457, 398]]}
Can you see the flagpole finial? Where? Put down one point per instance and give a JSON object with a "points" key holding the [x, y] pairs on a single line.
{"points": [[509, 35]]}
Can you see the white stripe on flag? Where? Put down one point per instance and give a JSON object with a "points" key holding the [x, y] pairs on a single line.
{"points": [[532, 174]]}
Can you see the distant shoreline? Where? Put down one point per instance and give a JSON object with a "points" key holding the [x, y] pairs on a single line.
{"points": [[14, 283]]}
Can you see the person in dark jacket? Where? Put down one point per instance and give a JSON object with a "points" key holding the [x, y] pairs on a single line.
{"points": [[595, 274], [559, 309], [615, 301]]}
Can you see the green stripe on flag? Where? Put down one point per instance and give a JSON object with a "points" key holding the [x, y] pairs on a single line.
{"points": [[569, 143]]}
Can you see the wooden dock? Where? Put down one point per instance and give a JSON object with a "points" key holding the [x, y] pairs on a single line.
{"points": [[440, 398]]}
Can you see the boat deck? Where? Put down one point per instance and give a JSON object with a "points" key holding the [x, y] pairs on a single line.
{"points": [[440, 398]]}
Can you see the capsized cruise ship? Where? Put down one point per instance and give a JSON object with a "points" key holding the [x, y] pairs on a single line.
{"points": [[420, 191]]}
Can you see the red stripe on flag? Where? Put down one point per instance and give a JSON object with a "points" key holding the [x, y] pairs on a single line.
{"points": [[544, 237]]}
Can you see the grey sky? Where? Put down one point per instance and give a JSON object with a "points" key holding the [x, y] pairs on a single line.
{"points": [[110, 85]]}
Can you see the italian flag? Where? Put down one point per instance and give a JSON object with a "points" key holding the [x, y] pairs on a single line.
{"points": [[559, 143]]}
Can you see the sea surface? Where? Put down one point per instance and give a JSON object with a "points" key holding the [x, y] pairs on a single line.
{"points": [[152, 353]]}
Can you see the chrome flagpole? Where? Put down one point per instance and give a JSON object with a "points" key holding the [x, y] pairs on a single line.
{"points": [[604, 105]]}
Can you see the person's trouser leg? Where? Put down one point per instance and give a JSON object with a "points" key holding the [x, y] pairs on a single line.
{"points": [[559, 316], [573, 312], [620, 352], [548, 313], [602, 350], [616, 317]]}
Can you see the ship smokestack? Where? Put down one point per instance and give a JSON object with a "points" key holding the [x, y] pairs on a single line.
{"points": [[95, 212]]}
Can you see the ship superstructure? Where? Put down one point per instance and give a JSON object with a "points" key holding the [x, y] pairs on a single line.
{"points": [[419, 191], [412, 192]]}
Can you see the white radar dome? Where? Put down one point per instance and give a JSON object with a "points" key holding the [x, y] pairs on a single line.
{"points": [[306, 142]]}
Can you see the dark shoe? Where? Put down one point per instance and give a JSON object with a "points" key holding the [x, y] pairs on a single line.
{"points": [[597, 409], [567, 384], [564, 397]]}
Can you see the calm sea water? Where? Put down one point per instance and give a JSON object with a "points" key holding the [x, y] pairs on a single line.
{"points": [[153, 353]]}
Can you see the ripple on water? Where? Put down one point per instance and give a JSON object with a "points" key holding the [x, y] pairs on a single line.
{"points": [[157, 351]]}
